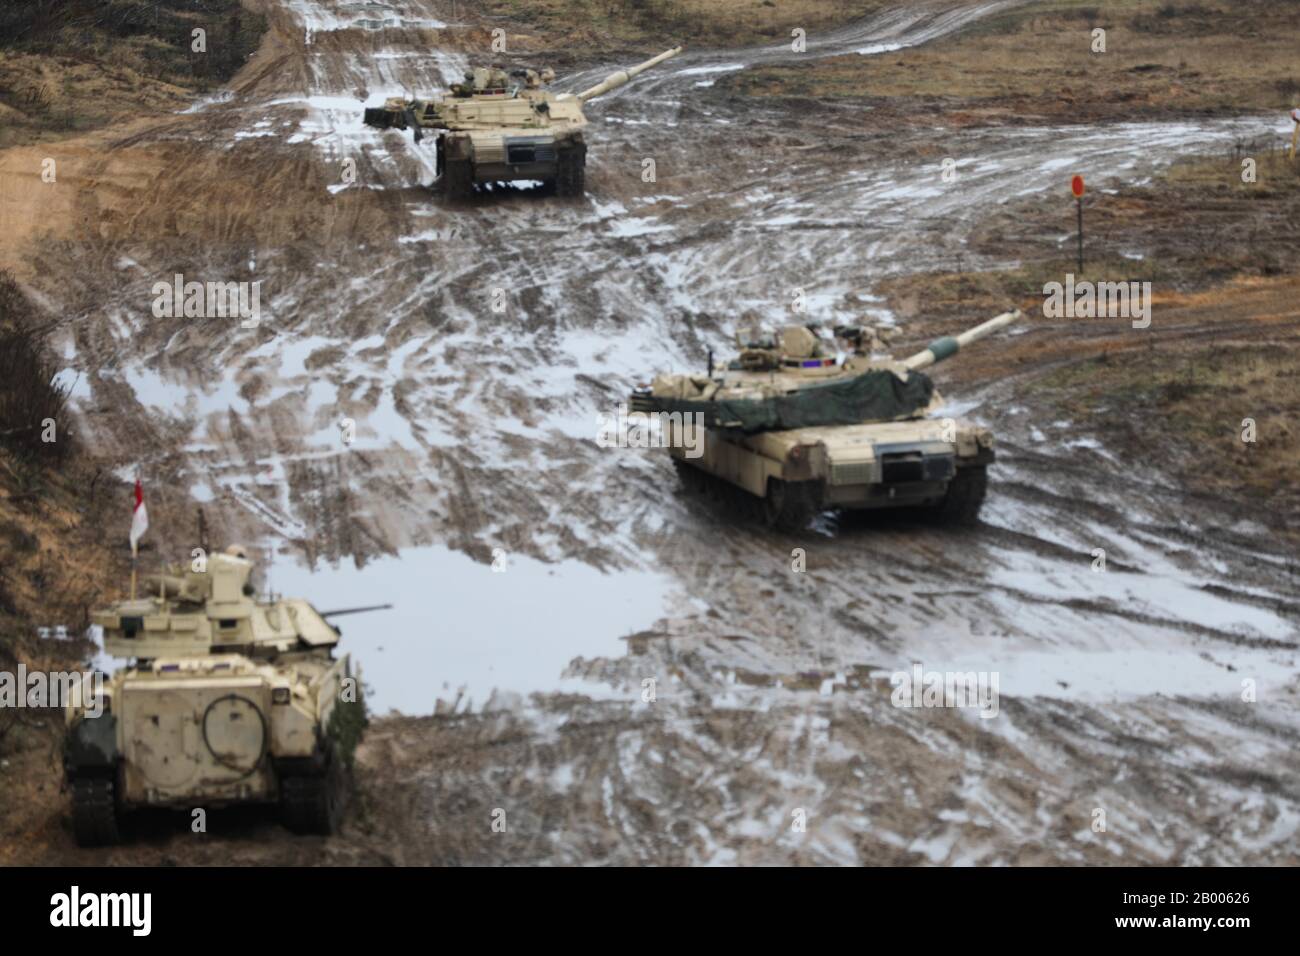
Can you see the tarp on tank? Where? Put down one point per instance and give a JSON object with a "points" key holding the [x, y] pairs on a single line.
{"points": [[876, 395]]}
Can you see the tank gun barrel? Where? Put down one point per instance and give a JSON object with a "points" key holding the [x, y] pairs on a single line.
{"points": [[950, 345], [355, 610], [159, 584], [615, 80]]}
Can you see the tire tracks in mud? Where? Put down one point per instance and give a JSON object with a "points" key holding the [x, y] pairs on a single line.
{"points": [[587, 296]]}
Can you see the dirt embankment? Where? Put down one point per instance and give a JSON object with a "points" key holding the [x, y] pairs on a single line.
{"points": [[1209, 388], [70, 67], [55, 562], [1044, 62], [64, 514], [75, 79]]}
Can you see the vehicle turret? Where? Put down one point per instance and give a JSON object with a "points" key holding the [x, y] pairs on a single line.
{"points": [[209, 611], [799, 379]]}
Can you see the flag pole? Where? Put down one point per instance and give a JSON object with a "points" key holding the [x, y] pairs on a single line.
{"points": [[139, 525]]}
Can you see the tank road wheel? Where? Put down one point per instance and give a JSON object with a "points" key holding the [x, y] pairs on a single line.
{"points": [[789, 505], [961, 503], [457, 179], [571, 177], [313, 801], [680, 467], [688, 475], [94, 811], [748, 506]]}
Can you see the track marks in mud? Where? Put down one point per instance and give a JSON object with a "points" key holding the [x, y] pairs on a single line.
{"points": [[874, 785], [711, 774]]}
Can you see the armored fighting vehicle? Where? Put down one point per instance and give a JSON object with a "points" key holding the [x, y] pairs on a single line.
{"points": [[229, 699], [795, 425], [499, 127]]}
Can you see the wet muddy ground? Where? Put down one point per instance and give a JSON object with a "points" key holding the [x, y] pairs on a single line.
{"points": [[1120, 690]]}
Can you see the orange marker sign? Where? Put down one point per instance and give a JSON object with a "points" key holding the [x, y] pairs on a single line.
{"points": [[1076, 187]]}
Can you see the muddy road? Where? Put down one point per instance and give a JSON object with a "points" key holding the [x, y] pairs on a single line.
{"points": [[474, 346]]}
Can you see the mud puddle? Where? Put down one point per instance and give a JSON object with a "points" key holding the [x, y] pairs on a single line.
{"points": [[473, 635]]}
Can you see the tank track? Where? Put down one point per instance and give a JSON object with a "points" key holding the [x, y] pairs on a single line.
{"points": [[960, 505], [457, 180], [312, 800], [95, 818], [571, 177], [965, 495], [798, 505]]}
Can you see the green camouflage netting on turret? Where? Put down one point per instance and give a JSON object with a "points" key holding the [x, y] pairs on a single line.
{"points": [[872, 396]]}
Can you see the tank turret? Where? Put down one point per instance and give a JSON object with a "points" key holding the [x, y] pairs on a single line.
{"points": [[209, 611], [800, 379]]}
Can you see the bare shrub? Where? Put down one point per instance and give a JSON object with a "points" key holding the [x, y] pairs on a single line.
{"points": [[31, 396]]}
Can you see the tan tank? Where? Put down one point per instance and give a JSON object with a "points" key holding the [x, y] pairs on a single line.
{"points": [[796, 425], [228, 700], [499, 127]]}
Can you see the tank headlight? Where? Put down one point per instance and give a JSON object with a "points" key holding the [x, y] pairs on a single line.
{"points": [[796, 452], [279, 695]]}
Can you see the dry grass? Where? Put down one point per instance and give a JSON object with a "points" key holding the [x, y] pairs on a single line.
{"points": [[82, 64], [1222, 256], [1198, 226], [1189, 410], [1036, 62], [35, 425], [44, 97], [51, 499], [1275, 173], [649, 23]]}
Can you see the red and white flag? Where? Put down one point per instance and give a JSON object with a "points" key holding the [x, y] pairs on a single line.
{"points": [[139, 518]]}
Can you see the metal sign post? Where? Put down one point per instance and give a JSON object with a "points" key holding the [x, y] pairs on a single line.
{"points": [[1076, 187]]}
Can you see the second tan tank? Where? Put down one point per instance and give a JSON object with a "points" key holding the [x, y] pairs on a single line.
{"points": [[794, 426]]}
